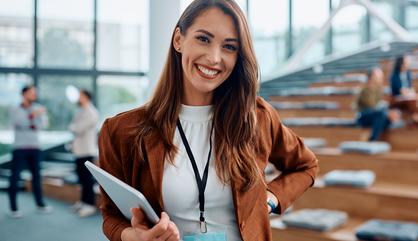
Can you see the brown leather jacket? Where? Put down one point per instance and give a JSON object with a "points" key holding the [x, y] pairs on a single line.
{"points": [[279, 145]]}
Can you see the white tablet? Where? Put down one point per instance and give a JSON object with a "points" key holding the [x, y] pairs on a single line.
{"points": [[124, 196]]}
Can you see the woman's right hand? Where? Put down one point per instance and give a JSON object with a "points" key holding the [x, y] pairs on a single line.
{"points": [[163, 230]]}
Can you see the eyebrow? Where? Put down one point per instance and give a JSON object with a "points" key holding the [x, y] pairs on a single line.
{"points": [[212, 36]]}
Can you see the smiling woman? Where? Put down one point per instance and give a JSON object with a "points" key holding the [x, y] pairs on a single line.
{"points": [[198, 148]]}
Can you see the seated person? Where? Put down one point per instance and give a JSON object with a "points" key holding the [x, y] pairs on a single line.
{"points": [[404, 96], [371, 112]]}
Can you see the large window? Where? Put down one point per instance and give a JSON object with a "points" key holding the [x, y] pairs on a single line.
{"points": [[10, 92], [378, 31], [65, 33], [52, 94], [71, 50], [307, 18], [348, 28], [16, 24], [270, 36], [123, 35], [118, 93], [412, 20]]}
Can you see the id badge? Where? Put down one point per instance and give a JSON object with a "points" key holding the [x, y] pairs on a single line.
{"points": [[212, 236]]}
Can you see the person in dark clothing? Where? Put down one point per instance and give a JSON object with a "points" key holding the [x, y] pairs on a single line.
{"points": [[403, 94], [27, 119], [371, 112], [84, 148]]}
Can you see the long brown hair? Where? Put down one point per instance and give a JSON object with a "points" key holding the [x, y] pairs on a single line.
{"points": [[234, 102]]}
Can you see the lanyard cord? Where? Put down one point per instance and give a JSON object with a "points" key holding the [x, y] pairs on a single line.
{"points": [[201, 182]]}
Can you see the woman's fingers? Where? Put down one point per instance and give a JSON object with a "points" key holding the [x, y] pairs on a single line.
{"points": [[171, 233], [163, 230], [161, 227]]}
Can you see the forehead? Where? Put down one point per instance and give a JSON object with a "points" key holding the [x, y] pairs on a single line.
{"points": [[215, 21]]}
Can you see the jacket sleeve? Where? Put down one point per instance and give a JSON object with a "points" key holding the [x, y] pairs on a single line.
{"points": [[297, 164], [109, 158]]}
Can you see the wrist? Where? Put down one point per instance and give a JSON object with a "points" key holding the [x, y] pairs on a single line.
{"points": [[271, 204]]}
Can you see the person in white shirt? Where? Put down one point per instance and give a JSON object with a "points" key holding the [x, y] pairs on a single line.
{"points": [[84, 148]]}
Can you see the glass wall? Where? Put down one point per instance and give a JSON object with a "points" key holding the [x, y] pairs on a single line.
{"points": [[412, 19], [71, 51], [10, 92], [308, 17], [123, 35], [378, 31], [121, 93], [65, 34], [348, 28], [52, 93], [16, 24], [269, 36]]}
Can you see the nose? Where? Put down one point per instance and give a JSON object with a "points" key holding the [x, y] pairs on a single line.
{"points": [[215, 56]]}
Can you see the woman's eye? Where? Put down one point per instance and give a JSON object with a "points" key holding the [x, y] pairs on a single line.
{"points": [[231, 47], [203, 39]]}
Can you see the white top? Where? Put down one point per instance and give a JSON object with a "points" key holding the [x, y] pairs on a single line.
{"points": [[179, 187], [84, 127]]}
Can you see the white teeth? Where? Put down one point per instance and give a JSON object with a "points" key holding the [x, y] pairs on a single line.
{"points": [[207, 71]]}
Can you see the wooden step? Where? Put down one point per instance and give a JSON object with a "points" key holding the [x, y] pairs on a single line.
{"points": [[343, 233], [401, 139], [399, 167], [333, 135], [344, 101], [382, 200], [316, 113]]}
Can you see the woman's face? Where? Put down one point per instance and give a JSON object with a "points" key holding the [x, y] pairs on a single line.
{"points": [[209, 51]]}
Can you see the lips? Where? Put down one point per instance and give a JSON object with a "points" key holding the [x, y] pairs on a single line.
{"points": [[207, 72]]}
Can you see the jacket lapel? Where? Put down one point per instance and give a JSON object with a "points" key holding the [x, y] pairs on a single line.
{"points": [[155, 156]]}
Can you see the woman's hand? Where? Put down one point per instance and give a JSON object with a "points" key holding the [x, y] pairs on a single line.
{"points": [[164, 230]]}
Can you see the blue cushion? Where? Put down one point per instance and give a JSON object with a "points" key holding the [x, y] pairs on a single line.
{"points": [[314, 142], [362, 178], [315, 219], [365, 147], [388, 230], [319, 121], [319, 91], [326, 105]]}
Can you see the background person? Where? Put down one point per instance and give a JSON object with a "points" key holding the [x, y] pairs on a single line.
{"points": [[371, 112], [27, 119], [84, 148], [403, 93]]}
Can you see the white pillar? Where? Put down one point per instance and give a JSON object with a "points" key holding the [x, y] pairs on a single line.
{"points": [[163, 16]]}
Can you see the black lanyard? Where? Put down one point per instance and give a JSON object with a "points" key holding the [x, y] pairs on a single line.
{"points": [[201, 182]]}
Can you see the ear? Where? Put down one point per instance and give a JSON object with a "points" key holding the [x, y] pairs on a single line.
{"points": [[177, 40]]}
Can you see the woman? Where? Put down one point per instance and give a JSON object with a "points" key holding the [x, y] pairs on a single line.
{"points": [[198, 148], [403, 93], [370, 111]]}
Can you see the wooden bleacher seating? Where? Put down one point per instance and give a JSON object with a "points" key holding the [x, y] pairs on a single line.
{"points": [[393, 196]]}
